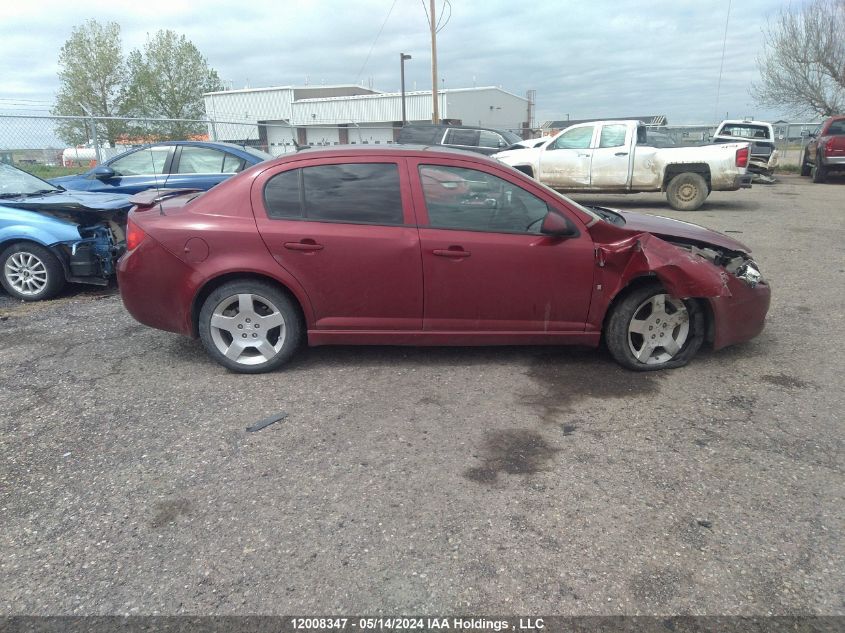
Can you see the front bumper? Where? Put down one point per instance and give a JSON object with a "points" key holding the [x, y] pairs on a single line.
{"points": [[742, 315]]}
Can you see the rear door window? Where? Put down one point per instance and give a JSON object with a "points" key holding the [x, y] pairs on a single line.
{"points": [[204, 160], [356, 193], [458, 136], [613, 135]]}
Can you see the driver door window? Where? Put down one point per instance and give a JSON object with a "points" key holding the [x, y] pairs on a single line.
{"points": [[150, 160], [576, 138], [472, 200]]}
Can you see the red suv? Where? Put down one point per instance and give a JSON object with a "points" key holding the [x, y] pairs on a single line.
{"points": [[421, 246], [826, 150]]}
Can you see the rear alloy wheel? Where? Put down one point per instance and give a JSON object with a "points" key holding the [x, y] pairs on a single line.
{"points": [[250, 327], [806, 167], [687, 191], [31, 272], [651, 330]]}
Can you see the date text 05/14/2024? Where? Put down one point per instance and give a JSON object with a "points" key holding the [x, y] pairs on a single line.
{"points": [[418, 623]]}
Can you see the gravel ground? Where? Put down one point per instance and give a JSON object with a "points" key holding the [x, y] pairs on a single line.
{"points": [[490, 480]]}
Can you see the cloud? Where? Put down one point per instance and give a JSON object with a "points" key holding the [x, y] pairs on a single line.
{"points": [[603, 58]]}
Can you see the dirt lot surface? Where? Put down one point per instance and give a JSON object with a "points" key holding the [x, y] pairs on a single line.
{"points": [[491, 480]]}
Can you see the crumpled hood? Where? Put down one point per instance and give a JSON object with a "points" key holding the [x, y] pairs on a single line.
{"points": [[73, 201], [667, 228]]}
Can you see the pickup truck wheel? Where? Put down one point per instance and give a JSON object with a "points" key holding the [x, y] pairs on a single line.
{"points": [[806, 168], [649, 330], [687, 191], [819, 170], [250, 327], [31, 272]]}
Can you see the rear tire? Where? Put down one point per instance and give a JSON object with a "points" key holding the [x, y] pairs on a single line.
{"points": [[687, 191], [806, 167], [31, 272], [250, 327], [650, 330], [819, 171]]}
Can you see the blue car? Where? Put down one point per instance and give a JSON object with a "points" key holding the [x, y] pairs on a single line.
{"points": [[175, 164], [49, 236]]}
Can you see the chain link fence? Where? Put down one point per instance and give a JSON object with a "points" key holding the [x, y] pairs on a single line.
{"points": [[57, 145]]}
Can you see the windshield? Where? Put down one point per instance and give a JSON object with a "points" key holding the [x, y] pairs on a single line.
{"points": [[570, 201], [14, 182], [744, 130], [510, 137]]}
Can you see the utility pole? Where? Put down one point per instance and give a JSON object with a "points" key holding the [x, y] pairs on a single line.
{"points": [[402, 58], [435, 112]]}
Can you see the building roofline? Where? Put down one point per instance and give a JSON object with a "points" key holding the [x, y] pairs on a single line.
{"points": [[289, 87]]}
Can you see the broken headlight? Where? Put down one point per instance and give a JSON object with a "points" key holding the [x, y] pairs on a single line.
{"points": [[749, 273]]}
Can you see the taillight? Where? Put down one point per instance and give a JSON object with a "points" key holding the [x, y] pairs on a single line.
{"points": [[742, 157], [824, 146], [134, 235]]}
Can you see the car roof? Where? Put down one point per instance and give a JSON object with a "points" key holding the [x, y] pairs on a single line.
{"points": [[387, 150], [221, 145], [449, 125]]}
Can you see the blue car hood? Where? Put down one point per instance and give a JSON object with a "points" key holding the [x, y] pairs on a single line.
{"points": [[72, 201]]}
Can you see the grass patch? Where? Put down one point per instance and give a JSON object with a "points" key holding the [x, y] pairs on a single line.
{"points": [[50, 171]]}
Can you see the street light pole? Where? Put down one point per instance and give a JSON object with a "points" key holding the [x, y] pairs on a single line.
{"points": [[435, 110], [402, 58]]}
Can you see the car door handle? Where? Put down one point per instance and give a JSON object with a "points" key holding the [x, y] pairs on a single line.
{"points": [[304, 245], [584, 155], [453, 252], [621, 154]]}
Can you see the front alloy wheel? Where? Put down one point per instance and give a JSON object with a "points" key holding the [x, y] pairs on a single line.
{"points": [[649, 329], [249, 327], [31, 272], [658, 329]]}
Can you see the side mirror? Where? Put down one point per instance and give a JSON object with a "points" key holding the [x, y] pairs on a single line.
{"points": [[101, 172], [556, 225]]}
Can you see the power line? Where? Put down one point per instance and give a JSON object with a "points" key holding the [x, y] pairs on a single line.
{"points": [[722, 63], [387, 17]]}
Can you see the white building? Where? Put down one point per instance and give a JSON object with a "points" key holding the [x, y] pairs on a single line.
{"points": [[333, 115]]}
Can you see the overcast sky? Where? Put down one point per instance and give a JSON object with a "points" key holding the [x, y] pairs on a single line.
{"points": [[585, 58]]}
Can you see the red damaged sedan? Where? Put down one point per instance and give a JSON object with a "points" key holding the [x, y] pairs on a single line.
{"points": [[417, 246]]}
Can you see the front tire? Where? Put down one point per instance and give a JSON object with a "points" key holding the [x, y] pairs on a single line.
{"points": [[31, 272], [806, 167], [650, 330], [250, 327], [687, 191]]}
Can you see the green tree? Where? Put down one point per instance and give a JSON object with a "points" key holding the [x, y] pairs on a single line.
{"points": [[167, 80], [92, 74], [802, 69]]}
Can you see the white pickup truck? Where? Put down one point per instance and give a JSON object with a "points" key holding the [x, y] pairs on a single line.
{"points": [[615, 157]]}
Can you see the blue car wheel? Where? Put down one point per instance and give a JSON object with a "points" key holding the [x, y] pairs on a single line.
{"points": [[30, 272]]}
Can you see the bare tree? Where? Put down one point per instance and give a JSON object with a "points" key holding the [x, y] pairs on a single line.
{"points": [[803, 67]]}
